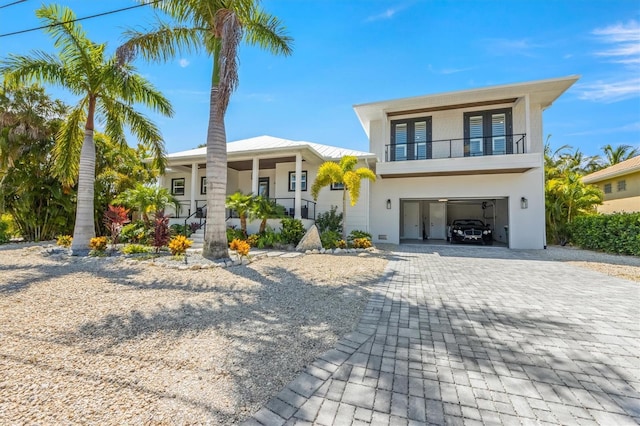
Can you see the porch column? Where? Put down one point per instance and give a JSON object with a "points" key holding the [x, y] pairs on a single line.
{"points": [[527, 126], [160, 181], [298, 193], [194, 186], [255, 177]]}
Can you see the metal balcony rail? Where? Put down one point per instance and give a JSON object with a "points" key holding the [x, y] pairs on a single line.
{"points": [[457, 148]]}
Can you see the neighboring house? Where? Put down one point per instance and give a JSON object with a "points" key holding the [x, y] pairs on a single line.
{"points": [[471, 154], [620, 184], [271, 167]]}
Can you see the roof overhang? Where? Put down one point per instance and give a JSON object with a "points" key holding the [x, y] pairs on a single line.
{"points": [[541, 93]]}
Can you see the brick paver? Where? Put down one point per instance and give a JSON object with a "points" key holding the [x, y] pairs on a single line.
{"points": [[476, 335]]}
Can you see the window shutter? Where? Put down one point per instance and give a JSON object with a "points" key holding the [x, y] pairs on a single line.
{"points": [[475, 135], [498, 132], [400, 148]]}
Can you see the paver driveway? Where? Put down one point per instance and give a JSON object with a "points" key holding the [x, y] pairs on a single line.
{"points": [[478, 336]]}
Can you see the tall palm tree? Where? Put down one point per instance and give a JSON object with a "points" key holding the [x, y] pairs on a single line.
{"points": [[108, 89], [344, 173], [216, 27], [618, 154]]}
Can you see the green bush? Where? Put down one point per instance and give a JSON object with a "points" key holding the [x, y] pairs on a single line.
{"points": [[135, 249], [329, 221], [7, 228], [612, 233], [355, 234], [135, 232], [292, 231], [178, 229], [268, 238], [330, 239], [234, 234]]}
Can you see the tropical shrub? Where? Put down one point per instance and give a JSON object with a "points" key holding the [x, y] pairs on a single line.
{"points": [[98, 244], [361, 243], [193, 227], [135, 232], [179, 245], [241, 247], [233, 234], [146, 199], [359, 234], [252, 240], [613, 233], [64, 241], [330, 239], [114, 219], [4, 235], [135, 249], [178, 229], [292, 231], [161, 232], [7, 228], [263, 208], [329, 221], [242, 204], [268, 238]]}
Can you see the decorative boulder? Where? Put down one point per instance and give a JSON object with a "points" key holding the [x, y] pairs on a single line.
{"points": [[310, 241]]}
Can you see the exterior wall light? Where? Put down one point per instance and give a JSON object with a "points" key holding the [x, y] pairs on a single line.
{"points": [[524, 203], [388, 204]]}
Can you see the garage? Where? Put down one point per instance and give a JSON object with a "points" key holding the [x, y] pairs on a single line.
{"points": [[428, 220]]}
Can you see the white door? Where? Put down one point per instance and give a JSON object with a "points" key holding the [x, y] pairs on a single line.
{"points": [[411, 219], [437, 222]]}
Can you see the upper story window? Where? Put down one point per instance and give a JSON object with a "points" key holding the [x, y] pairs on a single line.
{"points": [[488, 132], [607, 188], [622, 185], [411, 139], [303, 181], [335, 186], [177, 186]]}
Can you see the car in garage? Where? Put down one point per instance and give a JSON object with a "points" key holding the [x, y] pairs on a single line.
{"points": [[470, 231]]}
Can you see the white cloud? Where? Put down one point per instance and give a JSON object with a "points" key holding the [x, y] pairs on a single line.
{"points": [[183, 63], [609, 92], [623, 42], [387, 14]]}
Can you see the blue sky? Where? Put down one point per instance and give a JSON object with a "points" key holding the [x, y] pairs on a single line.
{"points": [[351, 52]]}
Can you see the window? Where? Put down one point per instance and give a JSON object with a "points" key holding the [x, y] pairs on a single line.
{"points": [[410, 139], [203, 185], [488, 132], [337, 186], [607, 188], [177, 186], [263, 187], [622, 185], [303, 181]]}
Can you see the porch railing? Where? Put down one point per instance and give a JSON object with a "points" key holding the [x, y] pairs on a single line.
{"points": [[307, 209], [457, 148]]}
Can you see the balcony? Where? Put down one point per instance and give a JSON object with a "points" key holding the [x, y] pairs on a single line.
{"points": [[456, 148], [454, 157]]}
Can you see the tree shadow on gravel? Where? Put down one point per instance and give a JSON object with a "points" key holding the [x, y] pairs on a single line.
{"points": [[274, 328]]}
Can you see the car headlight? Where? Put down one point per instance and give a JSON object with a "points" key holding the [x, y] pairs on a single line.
{"points": [[459, 231], [485, 232]]}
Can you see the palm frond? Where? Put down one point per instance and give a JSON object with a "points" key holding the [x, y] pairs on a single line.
{"points": [[40, 66], [268, 32], [142, 128], [69, 144], [160, 43]]}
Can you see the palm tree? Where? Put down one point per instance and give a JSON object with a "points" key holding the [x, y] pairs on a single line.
{"points": [[330, 172], [107, 87], [216, 27], [146, 199], [242, 204], [619, 154], [264, 209]]}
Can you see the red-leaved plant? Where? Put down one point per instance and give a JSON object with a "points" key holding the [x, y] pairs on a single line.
{"points": [[114, 219], [161, 230]]}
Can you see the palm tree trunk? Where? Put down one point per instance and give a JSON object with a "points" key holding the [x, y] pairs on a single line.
{"points": [[84, 228], [215, 237], [344, 213]]}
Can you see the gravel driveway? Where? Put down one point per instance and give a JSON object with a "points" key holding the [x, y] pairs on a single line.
{"points": [[101, 341]]}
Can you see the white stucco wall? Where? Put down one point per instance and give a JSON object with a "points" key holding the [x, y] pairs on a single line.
{"points": [[526, 226]]}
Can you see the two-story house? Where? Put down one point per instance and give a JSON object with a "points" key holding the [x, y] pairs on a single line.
{"points": [[472, 154]]}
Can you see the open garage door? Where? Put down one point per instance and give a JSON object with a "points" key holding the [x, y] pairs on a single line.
{"points": [[494, 212], [428, 220]]}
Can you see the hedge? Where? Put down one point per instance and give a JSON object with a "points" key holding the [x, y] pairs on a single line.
{"points": [[612, 233]]}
